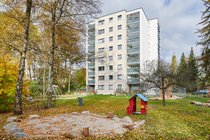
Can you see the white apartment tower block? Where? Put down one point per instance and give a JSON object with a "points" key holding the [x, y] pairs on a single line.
{"points": [[118, 45]]}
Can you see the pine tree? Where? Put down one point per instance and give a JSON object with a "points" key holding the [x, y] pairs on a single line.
{"points": [[204, 31], [204, 43], [192, 72], [182, 78]]}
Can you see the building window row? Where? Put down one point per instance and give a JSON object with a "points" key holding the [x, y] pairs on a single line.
{"points": [[102, 31], [102, 87], [102, 58], [111, 19], [102, 68], [111, 77], [119, 57], [119, 47], [111, 38]]}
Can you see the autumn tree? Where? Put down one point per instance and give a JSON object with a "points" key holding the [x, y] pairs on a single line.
{"points": [[66, 15], [159, 76], [21, 12]]}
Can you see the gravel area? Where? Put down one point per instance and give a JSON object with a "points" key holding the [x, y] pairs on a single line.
{"points": [[73, 124]]}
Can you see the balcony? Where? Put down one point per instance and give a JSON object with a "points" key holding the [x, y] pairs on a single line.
{"points": [[132, 31], [91, 82], [132, 40], [91, 49], [133, 60], [133, 81], [131, 20], [133, 51], [91, 64], [91, 73], [133, 70]]}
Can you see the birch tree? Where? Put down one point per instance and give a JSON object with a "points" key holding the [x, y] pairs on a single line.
{"points": [[56, 14], [21, 12]]}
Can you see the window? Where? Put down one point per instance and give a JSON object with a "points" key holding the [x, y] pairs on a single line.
{"points": [[101, 78], [100, 87], [110, 67], [101, 59], [101, 31], [119, 37], [111, 20], [110, 58], [110, 48], [119, 47], [100, 50], [119, 27], [119, 67], [110, 38], [100, 41], [101, 68], [119, 56], [110, 29], [110, 87], [110, 77], [101, 22], [119, 77], [119, 17], [119, 86]]}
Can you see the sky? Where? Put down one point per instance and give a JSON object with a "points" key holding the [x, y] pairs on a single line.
{"points": [[178, 21]]}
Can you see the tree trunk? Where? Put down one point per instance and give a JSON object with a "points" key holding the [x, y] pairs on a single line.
{"points": [[163, 91], [19, 87], [51, 61], [69, 82]]}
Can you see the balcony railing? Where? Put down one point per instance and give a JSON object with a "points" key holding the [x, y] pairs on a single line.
{"points": [[91, 64], [132, 40], [91, 73], [91, 49], [130, 20], [133, 81], [91, 82], [133, 70], [132, 61], [132, 31], [133, 50]]}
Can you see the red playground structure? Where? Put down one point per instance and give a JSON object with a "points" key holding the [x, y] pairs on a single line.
{"points": [[131, 109]]}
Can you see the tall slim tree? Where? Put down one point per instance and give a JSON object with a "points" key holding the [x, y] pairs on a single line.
{"points": [[14, 11], [58, 13], [192, 72], [182, 74], [204, 43], [18, 95], [17, 27]]}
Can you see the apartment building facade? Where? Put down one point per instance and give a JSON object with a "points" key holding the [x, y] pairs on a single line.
{"points": [[118, 45]]}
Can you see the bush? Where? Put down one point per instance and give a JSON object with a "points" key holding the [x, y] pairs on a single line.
{"points": [[5, 103], [35, 88]]}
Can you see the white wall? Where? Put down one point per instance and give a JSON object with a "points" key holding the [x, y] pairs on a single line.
{"points": [[153, 31], [114, 53], [144, 39]]}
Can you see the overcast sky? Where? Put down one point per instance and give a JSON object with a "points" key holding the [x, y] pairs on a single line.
{"points": [[178, 21]]}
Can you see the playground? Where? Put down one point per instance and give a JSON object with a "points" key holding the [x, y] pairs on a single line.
{"points": [[178, 119]]}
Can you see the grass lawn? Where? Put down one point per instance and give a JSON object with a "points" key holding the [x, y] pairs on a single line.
{"points": [[177, 120]]}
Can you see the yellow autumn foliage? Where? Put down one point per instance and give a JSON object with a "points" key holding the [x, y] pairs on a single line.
{"points": [[8, 75], [11, 42]]}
